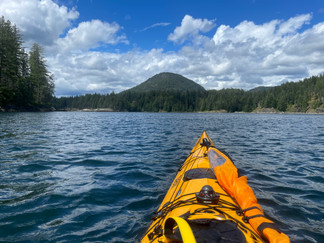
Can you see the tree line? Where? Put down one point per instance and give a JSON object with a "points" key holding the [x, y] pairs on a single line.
{"points": [[24, 78], [302, 96]]}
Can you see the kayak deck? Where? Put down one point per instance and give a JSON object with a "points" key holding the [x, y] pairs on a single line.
{"points": [[197, 208]]}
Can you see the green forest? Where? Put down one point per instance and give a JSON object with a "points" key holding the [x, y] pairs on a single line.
{"points": [[303, 96], [25, 82]]}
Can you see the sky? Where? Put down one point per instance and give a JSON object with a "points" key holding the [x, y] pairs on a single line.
{"points": [[104, 46]]}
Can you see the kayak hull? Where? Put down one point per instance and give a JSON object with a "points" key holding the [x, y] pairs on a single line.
{"points": [[198, 208]]}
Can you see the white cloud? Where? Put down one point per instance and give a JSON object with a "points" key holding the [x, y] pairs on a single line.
{"points": [[190, 28], [293, 24], [106, 72], [246, 32], [91, 34], [38, 20], [243, 56], [272, 51]]}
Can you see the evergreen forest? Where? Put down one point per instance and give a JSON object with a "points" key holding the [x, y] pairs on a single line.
{"points": [[303, 96], [25, 82]]}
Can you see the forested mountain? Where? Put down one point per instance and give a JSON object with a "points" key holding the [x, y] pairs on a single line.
{"points": [[302, 96], [167, 82], [24, 79]]}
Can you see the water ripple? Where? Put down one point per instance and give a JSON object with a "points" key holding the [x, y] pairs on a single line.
{"points": [[99, 176]]}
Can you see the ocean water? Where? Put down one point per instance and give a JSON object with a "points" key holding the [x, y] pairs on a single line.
{"points": [[97, 177]]}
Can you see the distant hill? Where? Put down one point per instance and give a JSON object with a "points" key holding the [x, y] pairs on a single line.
{"points": [[167, 82]]}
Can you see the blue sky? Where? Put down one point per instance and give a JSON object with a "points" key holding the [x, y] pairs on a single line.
{"points": [[136, 17], [112, 45]]}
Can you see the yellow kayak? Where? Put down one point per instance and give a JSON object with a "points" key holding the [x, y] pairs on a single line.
{"points": [[209, 202]]}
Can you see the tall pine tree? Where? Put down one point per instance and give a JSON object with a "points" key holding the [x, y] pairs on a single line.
{"points": [[41, 80], [10, 61]]}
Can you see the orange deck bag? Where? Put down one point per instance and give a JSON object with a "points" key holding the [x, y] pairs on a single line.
{"points": [[237, 187], [226, 174], [245, 197]]}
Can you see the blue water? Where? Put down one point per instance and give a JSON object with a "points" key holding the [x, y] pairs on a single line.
{"points": [[78, 177]]}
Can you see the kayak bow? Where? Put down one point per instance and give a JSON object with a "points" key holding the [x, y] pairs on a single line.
{"points": [[209, 202]]}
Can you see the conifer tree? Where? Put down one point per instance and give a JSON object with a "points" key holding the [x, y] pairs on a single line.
{"points": [[10, 61], [40, 78]]}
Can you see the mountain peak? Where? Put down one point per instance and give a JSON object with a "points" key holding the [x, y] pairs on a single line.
{"points": [[167, 82]]}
